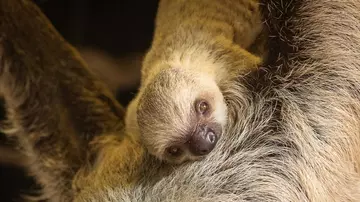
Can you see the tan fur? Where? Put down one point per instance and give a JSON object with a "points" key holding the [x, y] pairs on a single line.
{"points": [[293, 131], [197, 47]]}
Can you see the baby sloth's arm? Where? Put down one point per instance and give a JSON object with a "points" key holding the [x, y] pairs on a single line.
{"points": [[180, 112], [210, 36]]}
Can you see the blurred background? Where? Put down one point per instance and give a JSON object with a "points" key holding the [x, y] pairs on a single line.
{"points": [[112, 36]]}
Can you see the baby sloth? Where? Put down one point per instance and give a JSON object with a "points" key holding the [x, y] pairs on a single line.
{"points": [[180, 113]]}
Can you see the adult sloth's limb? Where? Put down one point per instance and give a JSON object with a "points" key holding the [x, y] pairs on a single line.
{"points": [[55, 106]]}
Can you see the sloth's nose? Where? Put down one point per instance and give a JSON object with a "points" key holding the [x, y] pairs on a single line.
{"points": [[202, 142]]}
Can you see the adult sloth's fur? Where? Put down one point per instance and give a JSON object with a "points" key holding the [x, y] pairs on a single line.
{"points": [[294, 131]]}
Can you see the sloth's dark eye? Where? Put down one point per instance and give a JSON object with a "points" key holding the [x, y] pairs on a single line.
{"points": [[174, 151], [202, 106]]}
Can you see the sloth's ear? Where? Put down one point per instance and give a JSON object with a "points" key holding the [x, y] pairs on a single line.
{"points": [[55, 106]]}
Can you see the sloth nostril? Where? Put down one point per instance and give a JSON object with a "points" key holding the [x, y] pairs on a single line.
{"points": [[211, 137]]}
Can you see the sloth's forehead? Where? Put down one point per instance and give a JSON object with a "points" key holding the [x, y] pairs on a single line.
{"points": [[178, 95]]}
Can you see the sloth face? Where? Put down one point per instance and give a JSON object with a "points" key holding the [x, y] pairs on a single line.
{"points": [[181, 116], [201, 137]]}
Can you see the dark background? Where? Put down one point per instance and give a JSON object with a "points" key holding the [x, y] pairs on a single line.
{"points": [[116, 26]]}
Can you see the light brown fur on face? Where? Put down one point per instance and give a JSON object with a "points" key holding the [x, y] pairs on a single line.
{"points": [[168, 115], [198, 46]]}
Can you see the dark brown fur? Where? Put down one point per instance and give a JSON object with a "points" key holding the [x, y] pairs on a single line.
{"points": [[54, 124]]}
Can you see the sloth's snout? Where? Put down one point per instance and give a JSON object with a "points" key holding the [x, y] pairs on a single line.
{"points": [[203, 141]]}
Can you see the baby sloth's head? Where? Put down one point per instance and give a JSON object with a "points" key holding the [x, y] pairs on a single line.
{"points": [[181, 115]]}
